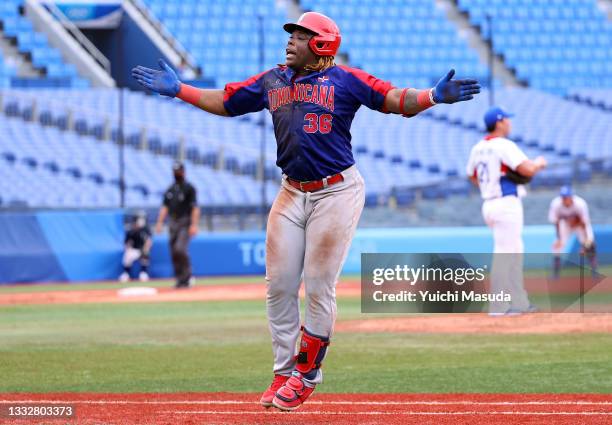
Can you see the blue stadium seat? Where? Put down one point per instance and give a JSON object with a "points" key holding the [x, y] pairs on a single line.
{"points": [[555, 30]]}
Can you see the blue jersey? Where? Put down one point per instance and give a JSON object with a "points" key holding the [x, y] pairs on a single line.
{"points": [[312, 114]]}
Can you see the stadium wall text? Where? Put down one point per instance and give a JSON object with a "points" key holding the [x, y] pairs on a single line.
{"points": [[85, 246]]}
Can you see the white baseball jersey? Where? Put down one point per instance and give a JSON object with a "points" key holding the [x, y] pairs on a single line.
{"points": [[579, 209], [489, 159]]}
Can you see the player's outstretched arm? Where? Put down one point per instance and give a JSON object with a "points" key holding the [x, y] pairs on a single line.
{"points": [[412, 101], [165, 82]]}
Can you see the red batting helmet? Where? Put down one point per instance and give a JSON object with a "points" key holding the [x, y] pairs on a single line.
{"points": [[327, 35]]}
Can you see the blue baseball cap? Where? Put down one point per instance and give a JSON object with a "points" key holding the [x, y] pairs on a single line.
{"points": [[566, 191], [495, 114]]}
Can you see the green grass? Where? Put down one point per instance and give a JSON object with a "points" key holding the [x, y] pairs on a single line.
{"points": [[225, 346], [567, 271], [168, 283]]}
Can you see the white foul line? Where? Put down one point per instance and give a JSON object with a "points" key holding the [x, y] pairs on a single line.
{"points": [[407, 413]]}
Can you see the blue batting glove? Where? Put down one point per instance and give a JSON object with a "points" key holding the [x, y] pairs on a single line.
{"points": [[163, 82], [451, 91]]}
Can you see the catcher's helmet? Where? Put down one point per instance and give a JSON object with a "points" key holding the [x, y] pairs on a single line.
{"points": [[327, 35]]}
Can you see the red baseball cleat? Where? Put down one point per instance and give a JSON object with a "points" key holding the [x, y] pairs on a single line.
{"points": [[268, 395], [291, 395]]}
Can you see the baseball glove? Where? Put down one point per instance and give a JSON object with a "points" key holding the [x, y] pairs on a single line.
{"points": [[588, 247], [516, 177]]}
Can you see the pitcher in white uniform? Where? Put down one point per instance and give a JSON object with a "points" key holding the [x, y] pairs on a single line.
{"points": [[491, 162], [570, 215]]}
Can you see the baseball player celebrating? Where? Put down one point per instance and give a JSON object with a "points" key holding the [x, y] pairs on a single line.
{"points": [[570, 214], [499, 168], [312, 221]]}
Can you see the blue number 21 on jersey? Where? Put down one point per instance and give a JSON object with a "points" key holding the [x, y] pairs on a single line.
{"points": [[482, 171]]}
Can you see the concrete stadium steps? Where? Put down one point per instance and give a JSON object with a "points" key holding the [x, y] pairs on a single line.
{"points": [[40, 64]]}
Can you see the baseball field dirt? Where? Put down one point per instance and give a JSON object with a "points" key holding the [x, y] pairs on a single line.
{"points": [[341, 409]]}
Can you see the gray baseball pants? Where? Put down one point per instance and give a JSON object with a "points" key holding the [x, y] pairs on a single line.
{"points": [[308, 237]]}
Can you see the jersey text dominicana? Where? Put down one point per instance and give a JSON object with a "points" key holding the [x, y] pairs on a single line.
{"points": [[312, 114]]}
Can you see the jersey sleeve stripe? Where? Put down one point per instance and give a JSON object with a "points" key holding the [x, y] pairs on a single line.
{"points": [[232, 88], [380, 86]]}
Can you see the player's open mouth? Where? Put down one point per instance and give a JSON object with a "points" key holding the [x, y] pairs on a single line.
{"points": [[290, 54]]}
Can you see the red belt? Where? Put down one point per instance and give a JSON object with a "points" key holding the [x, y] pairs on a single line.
{"points": [[315, 185]]}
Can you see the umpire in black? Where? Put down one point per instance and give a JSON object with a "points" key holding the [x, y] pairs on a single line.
{"points": [[181, 206]]}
